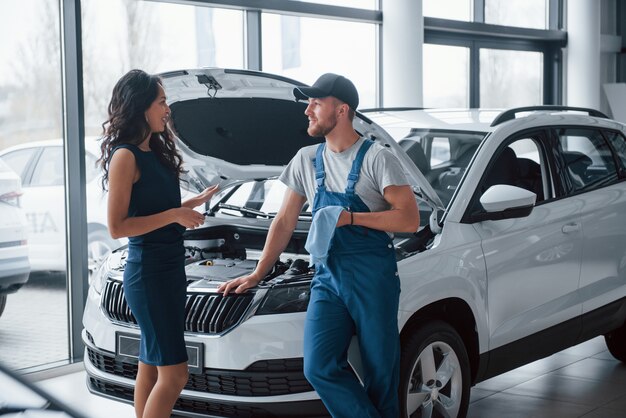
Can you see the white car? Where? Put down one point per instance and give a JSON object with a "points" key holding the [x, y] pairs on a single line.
{"points": [[520, 253], [14, 264], [40, 165]]}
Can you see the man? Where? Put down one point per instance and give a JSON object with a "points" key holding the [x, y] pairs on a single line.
{"points": [[356, 290]]}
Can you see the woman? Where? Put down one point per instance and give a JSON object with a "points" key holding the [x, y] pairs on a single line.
{"points": [[142, 168]]}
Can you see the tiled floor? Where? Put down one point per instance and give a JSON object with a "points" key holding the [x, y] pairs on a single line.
{"points": [[583, 381]]}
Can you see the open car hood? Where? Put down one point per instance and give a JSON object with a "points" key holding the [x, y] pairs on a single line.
{"points": [[239, 125]]}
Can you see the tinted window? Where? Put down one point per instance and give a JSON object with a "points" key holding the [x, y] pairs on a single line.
{"points": [[49, 168], [619, 144], [18, 160], [520, 165], [587, 159]]}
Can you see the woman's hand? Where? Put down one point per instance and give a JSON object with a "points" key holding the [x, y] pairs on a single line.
{"points": [[187, 217], [207, 194], [201, 198]]}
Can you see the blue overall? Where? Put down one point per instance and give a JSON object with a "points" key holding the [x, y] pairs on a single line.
{"points": [[355, 291]]}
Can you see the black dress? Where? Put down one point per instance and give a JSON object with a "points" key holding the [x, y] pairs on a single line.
{"points": [[154, 279]]}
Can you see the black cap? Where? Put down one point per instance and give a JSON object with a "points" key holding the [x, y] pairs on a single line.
{"points": [[330, 84]]}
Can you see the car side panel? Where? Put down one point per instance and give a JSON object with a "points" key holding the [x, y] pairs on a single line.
{"points": [[603, 270], [533, 270], [453, 268]]}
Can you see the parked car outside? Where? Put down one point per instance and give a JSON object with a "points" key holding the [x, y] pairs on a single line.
{"points": [[40, 166], [520, 253], [14, 264]]}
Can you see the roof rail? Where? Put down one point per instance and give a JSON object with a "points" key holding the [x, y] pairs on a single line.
{"points": [[510, 114], [389, 109]]}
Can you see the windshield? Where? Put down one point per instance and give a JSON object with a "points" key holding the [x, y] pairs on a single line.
{"points": [[253, 199], [441, 155]]}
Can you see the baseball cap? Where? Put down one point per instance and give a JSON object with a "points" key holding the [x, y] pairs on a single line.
{"points": [[330, 84]]}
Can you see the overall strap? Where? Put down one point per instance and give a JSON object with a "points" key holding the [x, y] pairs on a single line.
{"points": [[318, 163], [355, 171]]}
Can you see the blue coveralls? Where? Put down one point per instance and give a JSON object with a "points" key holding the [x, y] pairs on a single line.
{"points": [[356, 290]]}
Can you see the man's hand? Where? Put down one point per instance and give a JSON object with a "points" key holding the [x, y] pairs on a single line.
{"points": [[239, 285]]}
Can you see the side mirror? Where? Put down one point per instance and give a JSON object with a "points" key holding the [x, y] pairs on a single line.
{"points": [[505, 202]]}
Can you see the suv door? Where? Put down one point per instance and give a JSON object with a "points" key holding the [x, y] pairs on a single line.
{"points": [[592, 175], [533, 262]]}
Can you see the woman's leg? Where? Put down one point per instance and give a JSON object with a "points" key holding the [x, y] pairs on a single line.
{"points": [[146, 379], [170, 382]]}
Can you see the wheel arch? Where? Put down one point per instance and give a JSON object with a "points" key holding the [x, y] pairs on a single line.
{"points": [[459, 315]]}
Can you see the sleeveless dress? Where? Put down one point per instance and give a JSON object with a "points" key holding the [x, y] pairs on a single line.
{"points": [[155, 283]]}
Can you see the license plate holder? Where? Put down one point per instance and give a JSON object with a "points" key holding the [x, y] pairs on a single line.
{"points": [[127, 350]]}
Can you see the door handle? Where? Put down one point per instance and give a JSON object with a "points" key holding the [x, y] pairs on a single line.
{"points": [[571, 227]]}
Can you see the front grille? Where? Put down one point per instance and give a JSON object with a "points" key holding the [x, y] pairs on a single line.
{"points": [[282, 378], [206, 313]]}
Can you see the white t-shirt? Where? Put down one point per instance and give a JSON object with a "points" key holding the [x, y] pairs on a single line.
{"points": [[380, 169]]}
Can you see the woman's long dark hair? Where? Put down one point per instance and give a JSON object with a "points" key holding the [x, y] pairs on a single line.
{"points": [[132, 95]]}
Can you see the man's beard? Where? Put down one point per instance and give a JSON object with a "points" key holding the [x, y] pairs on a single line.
{"points": [[319, 130]]}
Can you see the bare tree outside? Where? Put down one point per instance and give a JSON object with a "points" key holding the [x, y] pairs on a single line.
{"points": [[35, 98], [136, 46]]}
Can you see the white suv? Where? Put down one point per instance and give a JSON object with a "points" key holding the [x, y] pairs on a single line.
{"points": [[520, 255]]}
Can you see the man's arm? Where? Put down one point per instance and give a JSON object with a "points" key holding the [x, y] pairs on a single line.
{"points": [[278, 237], [402, 217]]}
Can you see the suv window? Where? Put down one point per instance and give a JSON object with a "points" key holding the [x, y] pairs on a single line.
{"points": [[619, 144], [49, 169], [18, 161], [587, 159], [522, 164]]}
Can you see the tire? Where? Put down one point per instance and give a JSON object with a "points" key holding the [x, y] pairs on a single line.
{"points": [[99, 244], [436, 349], [3, 303], [616, 343]]}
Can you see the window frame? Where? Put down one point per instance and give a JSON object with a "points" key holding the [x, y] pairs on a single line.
{"points": [[562, 173], [478, 34], [543, 139]]}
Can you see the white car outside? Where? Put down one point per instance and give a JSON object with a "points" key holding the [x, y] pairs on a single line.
{"points": [[14, 264], [520, 253], [40, 165]]}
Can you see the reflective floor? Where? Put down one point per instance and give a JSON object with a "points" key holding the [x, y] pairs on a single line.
{"points": [[583, 381]]}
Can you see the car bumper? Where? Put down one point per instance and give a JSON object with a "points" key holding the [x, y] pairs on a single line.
{"points": [[14, 273], [254, 370]]}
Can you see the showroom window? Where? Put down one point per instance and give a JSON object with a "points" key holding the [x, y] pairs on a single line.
{"points": [[513, 45], [35, 322], [520, 13], [446, 76], [154, 37], [448, 9], [518, 73], [359, 4], [291, 47]]}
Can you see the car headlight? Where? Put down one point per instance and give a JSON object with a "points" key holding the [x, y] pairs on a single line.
{"points": [[99, 277], [111, 266], [286, 299]]}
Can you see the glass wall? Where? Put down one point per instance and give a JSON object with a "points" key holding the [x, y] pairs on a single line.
{"points": [[520, 13], [119, 35], [304, 48], [510, 78], [526, 64], [446, 76], [34, 323], [448, 9]]}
